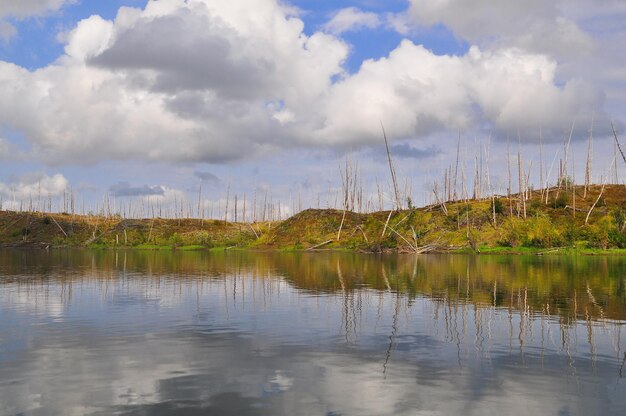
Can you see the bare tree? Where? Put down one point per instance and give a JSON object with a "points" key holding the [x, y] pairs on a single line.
{"points": [[392, 170]]}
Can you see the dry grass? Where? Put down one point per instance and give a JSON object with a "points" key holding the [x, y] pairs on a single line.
{"points": [[461, 225]]}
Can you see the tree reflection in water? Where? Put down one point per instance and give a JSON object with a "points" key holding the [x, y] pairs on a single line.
{"points": [[436, 315]]}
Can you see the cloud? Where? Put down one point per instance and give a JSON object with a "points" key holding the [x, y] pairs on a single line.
{"points": [[407, 151], [586, 39], [169, 196], [22, 9], [5, 149], [7, 31], [27, 8], [161, 105], [399, 22], [206, 176], [352, 19], [415, 93], [561, 27], [203, 56], [479, 20], [125, 189], [233, 80], [574, 32], [424, 373], [33, 185]]}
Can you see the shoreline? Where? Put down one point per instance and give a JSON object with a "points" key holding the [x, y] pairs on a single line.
{"points": [[483, 251], [485, 226]]}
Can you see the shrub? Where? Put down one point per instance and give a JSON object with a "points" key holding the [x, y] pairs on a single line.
{"points": [[536, 231], [598, 233], [203, 238], [561, 201], [330, 225], [497, 206], [474, 239], [571, 234], [542, 233], [409, 203], [513, 232], [616, 234], [176, 239], [617, 238], [619, 218], [533, 207]]}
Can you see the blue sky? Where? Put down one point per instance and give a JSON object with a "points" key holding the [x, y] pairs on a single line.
{"points": [[37, 45], [265, 97]]}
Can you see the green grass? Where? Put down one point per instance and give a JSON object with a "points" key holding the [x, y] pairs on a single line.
{"points": [[468, 227], [558, 251]]}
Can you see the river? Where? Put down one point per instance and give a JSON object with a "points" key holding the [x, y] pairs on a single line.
{"points": [[245, 333]]}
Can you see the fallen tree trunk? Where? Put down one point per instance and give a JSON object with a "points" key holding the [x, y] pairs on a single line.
{"points": [[319, 245]]}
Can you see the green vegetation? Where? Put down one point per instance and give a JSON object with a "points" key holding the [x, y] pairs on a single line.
{"points": [[494, 225], [573, 287]]}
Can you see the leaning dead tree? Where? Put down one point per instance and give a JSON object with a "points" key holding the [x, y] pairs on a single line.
{"points": [[617, 142], [392, 170], [589, 160]]}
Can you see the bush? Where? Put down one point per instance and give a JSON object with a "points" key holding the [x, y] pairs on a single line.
{"points": [[537, 232], [561, 201], [474, 240], [619, 218], [203, 238], [329, 225], [497, 206], [598, 233], [534, 207], [390, 241], [566, 181], [617, 238], [571, 234], [176, 239], [513, 232], [409, 203], [542, 233]]}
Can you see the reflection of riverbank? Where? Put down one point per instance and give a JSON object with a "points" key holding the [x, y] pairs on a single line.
{"points": [[587, 288], [528, 302], [341, 333]]}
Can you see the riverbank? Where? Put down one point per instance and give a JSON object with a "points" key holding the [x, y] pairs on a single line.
{"points": [[500, 225]]}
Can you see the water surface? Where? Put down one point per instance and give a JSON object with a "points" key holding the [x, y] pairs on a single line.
{"points": [[196, 333]]}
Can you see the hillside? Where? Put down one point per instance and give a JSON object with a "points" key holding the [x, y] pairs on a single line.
{"points": [[518, 225]]}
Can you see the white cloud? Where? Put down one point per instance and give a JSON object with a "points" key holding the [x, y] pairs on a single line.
{"points": [[416, 92], [561, 28], [230, 80], [352, 19], [204, 93], [22, 9], [400, 22], [477, 20], [90, 37], [7, 31], [27, 8], [124, 189], [166, 196], [33, 185], [585, 38]]}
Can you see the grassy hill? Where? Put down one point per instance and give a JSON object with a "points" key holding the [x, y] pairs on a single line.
{"points": [[499, 224]]}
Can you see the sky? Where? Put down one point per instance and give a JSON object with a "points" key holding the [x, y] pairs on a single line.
{"points": [[149, 100]]}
